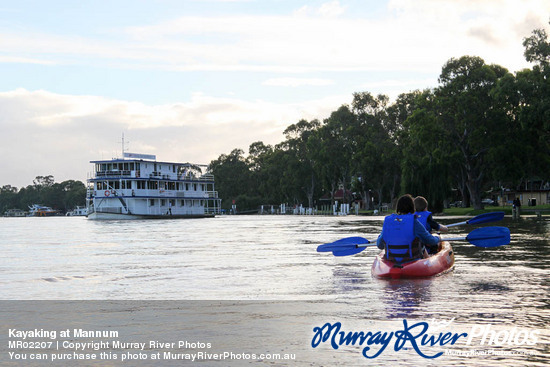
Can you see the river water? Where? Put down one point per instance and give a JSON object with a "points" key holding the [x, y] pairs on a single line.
{"points": [[269, 264]]}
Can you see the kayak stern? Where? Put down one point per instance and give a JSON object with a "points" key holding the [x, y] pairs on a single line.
{"points": [[436, 264]]}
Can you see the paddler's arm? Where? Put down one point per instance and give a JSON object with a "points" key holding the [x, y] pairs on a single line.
{"points": [[427, 239], [380, 242]]}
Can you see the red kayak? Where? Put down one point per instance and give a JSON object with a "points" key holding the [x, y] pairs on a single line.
{"points": [[436, 264]]}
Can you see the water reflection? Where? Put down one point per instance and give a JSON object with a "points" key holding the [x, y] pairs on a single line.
{"points": [[404, 298]]}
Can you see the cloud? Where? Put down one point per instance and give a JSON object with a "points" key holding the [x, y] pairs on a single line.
{"points": [[62, 133], [414, 35], [331, 9], [297, 82]]}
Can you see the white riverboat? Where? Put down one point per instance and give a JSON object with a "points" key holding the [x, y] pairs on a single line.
{"points": [[139, 187]]}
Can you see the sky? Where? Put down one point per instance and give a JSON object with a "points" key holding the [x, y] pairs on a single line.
{"points": [[189, 80]]}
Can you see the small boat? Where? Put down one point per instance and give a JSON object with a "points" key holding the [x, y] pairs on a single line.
{"points": [[79, 211], [37, 210], [436, 264], [15, 213]]}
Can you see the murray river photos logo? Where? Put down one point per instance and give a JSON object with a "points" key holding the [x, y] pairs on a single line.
{"points": [[420, 337]]}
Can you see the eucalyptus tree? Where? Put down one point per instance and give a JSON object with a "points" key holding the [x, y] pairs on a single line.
{"points": [[8, 198], [533, 90], [232, 176], [335, 143], [526, 99], [426, 155], [297, 137], [376, 156], [258, 161], [470, 120]]}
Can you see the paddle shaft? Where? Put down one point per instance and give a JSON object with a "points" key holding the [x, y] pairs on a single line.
{"points": [[482, 218]]}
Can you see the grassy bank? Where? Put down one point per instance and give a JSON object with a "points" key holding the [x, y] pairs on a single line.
{"points": [[470, 211], [506, 209]]}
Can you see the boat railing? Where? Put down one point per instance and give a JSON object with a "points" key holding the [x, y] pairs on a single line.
{"points": [[212, 194]]}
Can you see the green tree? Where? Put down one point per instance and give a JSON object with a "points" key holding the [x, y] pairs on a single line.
{"points": [[426, 155], [232, 176], [533, 101], [8, 198], [332, 146], [303, 168], [469, 117], [376, 154]]}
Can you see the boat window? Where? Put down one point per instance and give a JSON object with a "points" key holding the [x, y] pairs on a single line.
{"points": [[162, 202], [151, 202]]}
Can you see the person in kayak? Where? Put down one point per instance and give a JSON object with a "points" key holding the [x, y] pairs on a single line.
{"points": [[403, 236], [425, 217]]}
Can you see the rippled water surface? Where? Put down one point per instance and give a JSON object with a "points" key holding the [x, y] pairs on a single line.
{"points": [[273, 258]]}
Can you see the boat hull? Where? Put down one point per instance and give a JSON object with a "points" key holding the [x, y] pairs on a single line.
{"points": [[118, 216], [436, 264]]}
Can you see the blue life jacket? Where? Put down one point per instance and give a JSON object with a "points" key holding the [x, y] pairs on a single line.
{"points": [[423, 218], [399, 238]]}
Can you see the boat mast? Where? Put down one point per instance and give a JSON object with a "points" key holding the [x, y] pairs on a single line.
{"points": [[123, 146]]}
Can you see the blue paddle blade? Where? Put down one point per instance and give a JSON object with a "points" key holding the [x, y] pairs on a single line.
{"points": [[489, 237], [350, 251], [487, 217], [345, 246]]}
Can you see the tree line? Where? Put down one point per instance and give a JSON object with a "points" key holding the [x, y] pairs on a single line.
{"points": [[63, 196], [482, 127]]}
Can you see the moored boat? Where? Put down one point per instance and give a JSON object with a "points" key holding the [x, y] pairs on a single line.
{"points": [[37, 210], [138, 186], [79, 211], [15, 213], [436, 264]]}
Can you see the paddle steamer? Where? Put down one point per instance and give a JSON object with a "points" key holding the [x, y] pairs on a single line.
{"points": [[138, 187]]}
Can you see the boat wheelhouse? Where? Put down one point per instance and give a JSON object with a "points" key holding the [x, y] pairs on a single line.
{"points": [[139, 187]]}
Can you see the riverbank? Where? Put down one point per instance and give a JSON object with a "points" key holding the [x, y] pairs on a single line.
{"points": [[506, 209], [527, 210]]}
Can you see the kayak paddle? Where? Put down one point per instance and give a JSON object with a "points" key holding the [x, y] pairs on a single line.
{"points": [[486, 237], [346, 246], [482, 218], [480, 237]]}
